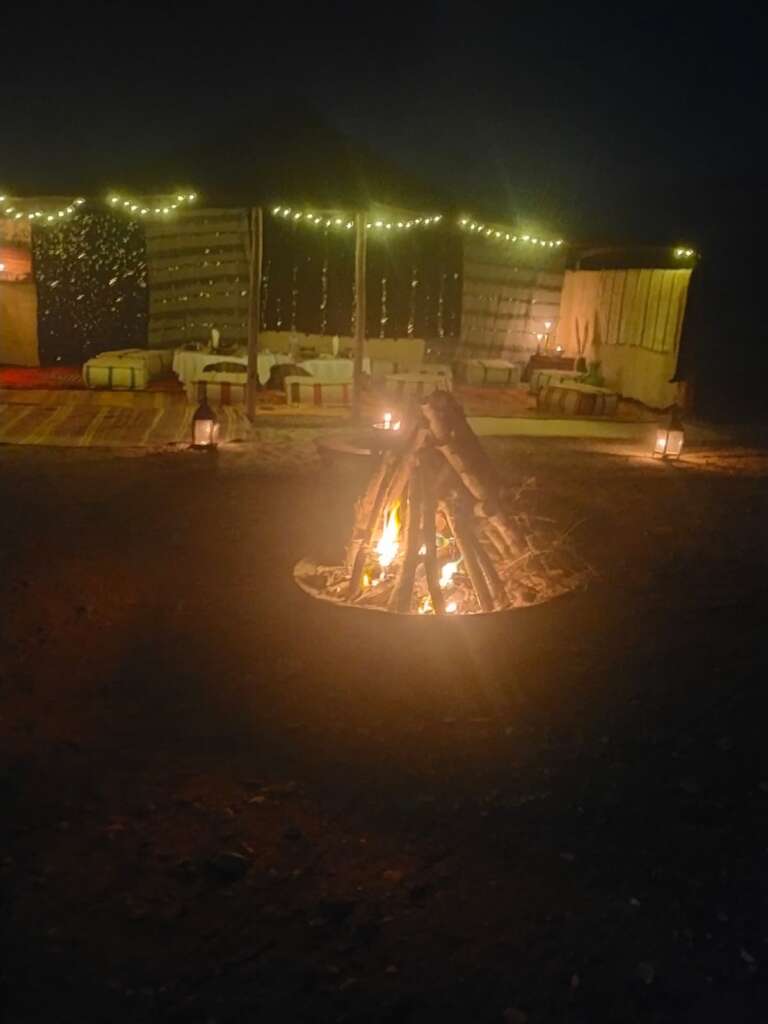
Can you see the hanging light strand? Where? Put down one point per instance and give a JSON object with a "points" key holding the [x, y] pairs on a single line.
{"points": [[346, 221], [148, 208], [18, 209], [505, 234]]}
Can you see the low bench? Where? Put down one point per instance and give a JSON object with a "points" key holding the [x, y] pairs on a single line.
{"points": [[576, 399], [498, 373], [311, 391], [543, 378], [418, 384], [126, 369], [218, 388]]}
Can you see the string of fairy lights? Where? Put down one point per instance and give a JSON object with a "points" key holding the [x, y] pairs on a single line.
{"points": [[346, 222], [167, 205], [505, 235], [45, 216], [144, 208]]}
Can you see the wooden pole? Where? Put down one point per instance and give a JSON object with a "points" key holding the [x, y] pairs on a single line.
{"points": [[255, 257], [401, 597], [360, 286], [429, 502]]}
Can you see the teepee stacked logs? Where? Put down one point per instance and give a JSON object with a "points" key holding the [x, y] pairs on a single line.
{"points": [[445, 494]]}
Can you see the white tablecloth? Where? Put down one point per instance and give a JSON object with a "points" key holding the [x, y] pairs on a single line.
{"points": [[336, 370], [189, 365]]}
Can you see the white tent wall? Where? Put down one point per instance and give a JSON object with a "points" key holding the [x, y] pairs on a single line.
{"points": [[630, 322]]}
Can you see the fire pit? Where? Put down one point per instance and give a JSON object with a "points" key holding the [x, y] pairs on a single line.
{"points": [[432, 535]]}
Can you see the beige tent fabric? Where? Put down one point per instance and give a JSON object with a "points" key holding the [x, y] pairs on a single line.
{"points": [[629, 320], [18, 324]]}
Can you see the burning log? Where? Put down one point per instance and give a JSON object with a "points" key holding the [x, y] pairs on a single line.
{"points": [[430, 534], [462, 449], [403, 591]]}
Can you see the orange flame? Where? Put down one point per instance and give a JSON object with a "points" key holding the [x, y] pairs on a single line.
{"points": [[447, 573], [388, 544]]}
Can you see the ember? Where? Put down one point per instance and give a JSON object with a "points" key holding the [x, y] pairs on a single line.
{"points": [[431, 536]]}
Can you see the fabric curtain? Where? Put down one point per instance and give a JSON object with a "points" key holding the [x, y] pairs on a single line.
{"points": [[18, 324]]}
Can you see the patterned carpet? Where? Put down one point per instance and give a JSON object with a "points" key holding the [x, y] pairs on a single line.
{"points": [[68, 378], [40, 377], [77, 424]]}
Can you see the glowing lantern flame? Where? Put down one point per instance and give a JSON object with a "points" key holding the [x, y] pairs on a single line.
{"points": [[387, 423], [388, 545], [447, 573]]}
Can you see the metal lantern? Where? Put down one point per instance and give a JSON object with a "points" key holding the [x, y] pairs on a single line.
{"points": [[205, 427], [669, 439]]}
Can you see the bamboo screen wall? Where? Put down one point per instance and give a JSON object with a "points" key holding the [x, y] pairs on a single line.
{"points": [[197, 266], [509, 295]]}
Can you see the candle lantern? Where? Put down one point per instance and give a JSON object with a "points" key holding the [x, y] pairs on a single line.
{"points": [[669, 439], [205, 427]]}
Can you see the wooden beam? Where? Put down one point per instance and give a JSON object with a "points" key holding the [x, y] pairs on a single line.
{"points": [[255, 256], [360, 314]]}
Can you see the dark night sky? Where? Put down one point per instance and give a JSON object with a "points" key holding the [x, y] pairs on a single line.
{"points": [[643, 123], [613, 123]]}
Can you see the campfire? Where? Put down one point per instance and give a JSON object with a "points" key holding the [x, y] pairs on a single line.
{"points": [[431, 533]]}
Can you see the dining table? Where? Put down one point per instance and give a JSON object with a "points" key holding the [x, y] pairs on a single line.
{"points": [[333, 368], [188, 364]]}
